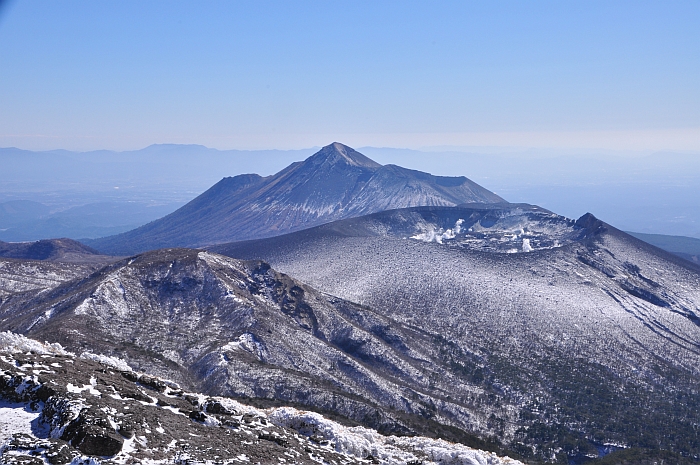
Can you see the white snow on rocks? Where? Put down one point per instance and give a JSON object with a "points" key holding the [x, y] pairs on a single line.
{"points": [[90, 388], [113, 362], [362, 442], [355, 443], [12, 342]]}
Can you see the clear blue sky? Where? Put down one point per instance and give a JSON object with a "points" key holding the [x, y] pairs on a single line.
{"points": [[257, 74]]}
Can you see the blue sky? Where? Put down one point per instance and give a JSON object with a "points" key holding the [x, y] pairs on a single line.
{"points": [[121, 75]]}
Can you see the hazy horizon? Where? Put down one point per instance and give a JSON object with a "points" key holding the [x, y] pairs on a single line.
{"points": [[481, 149], [92, 194]]}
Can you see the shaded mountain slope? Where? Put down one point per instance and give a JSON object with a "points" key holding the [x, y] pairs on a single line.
{"points": [[592, 335], [241, 329], [65, 250], [337, 182]]}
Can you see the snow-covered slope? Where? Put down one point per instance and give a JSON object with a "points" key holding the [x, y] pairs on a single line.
{"points": [[18, 276], [586, 333], [228, 327], [337, 182], [58, 408]]}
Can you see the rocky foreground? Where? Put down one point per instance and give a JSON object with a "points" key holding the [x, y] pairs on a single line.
{"points": [[58, 408]]}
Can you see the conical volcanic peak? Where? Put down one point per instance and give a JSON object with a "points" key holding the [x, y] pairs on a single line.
{"points": [[337, 153], [336, 182]]}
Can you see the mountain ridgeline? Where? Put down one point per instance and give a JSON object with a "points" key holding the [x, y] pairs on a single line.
{"points": [[335, 183], [64, 250]]}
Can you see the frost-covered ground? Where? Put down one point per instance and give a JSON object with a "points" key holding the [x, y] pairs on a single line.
{"points": [[228, 327], [28, 275], [605, 294], [591, 335], [52, 403], [16, 418]]}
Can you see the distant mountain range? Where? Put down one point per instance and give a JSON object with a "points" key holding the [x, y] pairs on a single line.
{"points": [[64, 250], [24, 220], [646, 193], [337, 182], [685, 247]]}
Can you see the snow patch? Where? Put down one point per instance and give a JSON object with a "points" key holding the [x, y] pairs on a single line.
{"points": [[16, 418], [249, 343], [113, 362], [84, 461], [86, 387]]}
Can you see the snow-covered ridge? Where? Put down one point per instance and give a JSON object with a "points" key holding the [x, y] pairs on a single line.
{"points": [[146, 419], [361, 442], [14, 343]]}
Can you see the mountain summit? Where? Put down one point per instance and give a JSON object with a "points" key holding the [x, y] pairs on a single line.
{"points": [[335, 183], [339, 153]]}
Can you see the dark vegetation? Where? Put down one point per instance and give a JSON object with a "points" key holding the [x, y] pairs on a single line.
{"points": [[638, 456]]}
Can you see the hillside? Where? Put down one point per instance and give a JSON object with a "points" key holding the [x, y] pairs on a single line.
{"points": [[226, 327], [584, 335], [58, 408], [64, 250]]}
